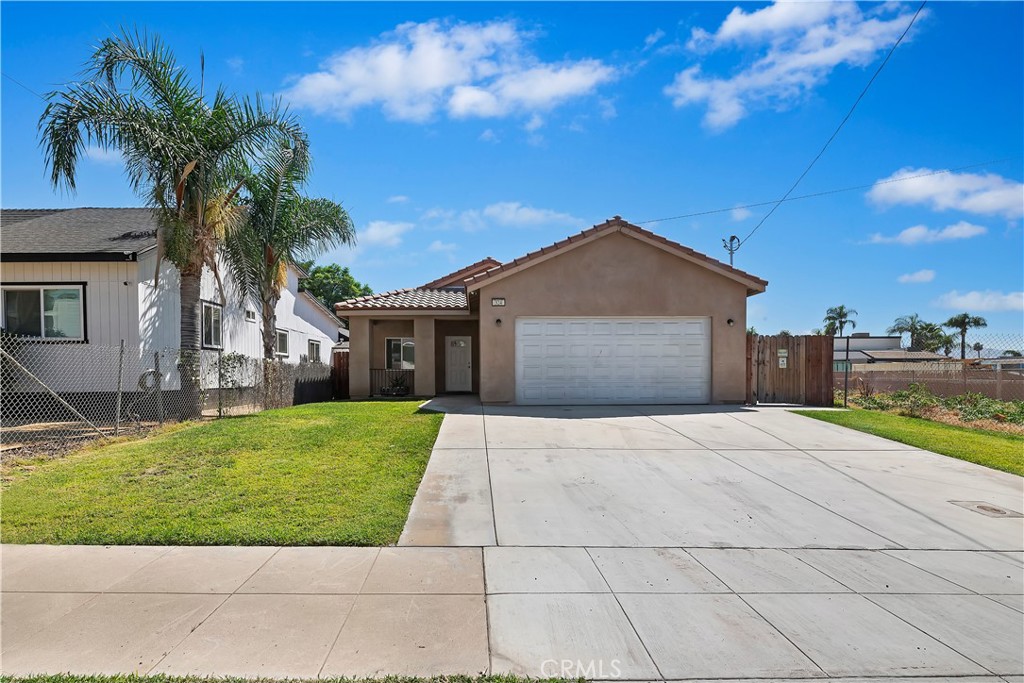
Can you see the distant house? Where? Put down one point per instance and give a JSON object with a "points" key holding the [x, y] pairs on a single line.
{"points": [[87, 276]]}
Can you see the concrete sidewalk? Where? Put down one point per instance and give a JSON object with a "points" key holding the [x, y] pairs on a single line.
{"points": [[630, 613]]}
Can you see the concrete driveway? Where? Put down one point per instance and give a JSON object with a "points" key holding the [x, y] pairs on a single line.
{"points": [[637, 544], [711, 542]]}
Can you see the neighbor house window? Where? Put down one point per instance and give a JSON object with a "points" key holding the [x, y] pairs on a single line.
{"points": [[55, 312], [400, 352], [212, 325], [282, 343], [250, 315], [314, 351]]}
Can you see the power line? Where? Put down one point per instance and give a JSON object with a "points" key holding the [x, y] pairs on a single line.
{"points": [[840, 126], [25, 87], [823, 193]]}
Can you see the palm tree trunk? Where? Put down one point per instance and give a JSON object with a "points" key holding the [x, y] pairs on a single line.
{"points": [[963, 344], [191, 336], [270, 369]]}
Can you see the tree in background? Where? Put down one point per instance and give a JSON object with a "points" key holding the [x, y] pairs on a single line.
{"points": [[961, 323], [978, 346], [282, 227], [837, 318], [933, 338], [1012, 353], [914, 326], [332, 283], [184, 153]]}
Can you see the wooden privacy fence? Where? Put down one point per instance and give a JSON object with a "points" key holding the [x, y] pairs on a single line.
{"points": [[788, 369]]}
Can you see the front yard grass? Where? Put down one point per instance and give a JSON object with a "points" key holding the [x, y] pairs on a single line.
{"points": [[992, 449], [317, 474]]}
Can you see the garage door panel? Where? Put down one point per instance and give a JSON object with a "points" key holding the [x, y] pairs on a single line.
{"points": [[613, 360]]}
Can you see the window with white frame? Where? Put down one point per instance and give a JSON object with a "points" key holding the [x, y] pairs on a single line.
{"points": [[212, 327], [400, 353], [281, 348], [314, 351], [45, 311], [250, 315]]}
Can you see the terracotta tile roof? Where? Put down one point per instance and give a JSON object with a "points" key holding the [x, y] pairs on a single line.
{"points": [[411, 299], [615, 224], [459, 275]]}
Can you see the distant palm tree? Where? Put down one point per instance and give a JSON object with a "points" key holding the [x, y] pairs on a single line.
{"points": [[914, 326], [978, 346], [837, 318], [1012, 353], [961, 323], [283, 228], [183, 153]]}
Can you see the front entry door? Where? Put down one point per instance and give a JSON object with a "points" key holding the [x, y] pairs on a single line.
{"points": [[458, 363]]}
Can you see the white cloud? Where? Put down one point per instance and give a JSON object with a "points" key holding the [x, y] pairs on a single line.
{"points": [[501, 214], [920, 234], [797, 45], [740, 214], [534, 124], [236, 64], [481, 70], [653, 39], [987, 300], [398, 199], [439, 247], [384, 233], [107, 157], [489, 136], [987, 194], [919, 277]]}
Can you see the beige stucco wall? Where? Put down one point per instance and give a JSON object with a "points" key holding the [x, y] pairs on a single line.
{"points": [[615, 275]]}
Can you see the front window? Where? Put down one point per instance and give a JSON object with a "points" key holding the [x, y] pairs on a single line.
{"points": [[314, 351], [47, 312], [401, 353], [282, 343], [211, 325]]}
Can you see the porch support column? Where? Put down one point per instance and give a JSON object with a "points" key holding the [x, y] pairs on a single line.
{"points": [[423, 336], [359, 345]]}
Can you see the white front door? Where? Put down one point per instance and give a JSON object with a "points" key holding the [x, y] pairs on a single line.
{"points": [[458, 363], [613, 360]]}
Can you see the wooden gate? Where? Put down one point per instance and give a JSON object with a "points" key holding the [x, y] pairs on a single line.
{"points": [[339, 373], [787, 369]]}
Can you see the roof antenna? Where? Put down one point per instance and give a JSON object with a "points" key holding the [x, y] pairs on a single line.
{"points": [[731, 246]]}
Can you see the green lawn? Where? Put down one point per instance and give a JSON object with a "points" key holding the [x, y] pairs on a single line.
{"points": [[992, 449], [318, 474]]}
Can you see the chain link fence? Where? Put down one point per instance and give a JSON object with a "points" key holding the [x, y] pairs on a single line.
{"points": [[982, 389], [55, 395]]}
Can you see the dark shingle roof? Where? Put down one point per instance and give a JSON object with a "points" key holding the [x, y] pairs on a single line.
{"points": [[408, 300], [76, 231]]}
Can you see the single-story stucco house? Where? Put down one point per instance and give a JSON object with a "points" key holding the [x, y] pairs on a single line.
{"points": [[615, 314]]}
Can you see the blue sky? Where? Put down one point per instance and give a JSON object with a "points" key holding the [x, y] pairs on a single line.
{"points": [[457, 131]]}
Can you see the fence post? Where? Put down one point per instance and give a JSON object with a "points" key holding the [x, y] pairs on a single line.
{"points": [[159, 388], [120, 387], [220, 385], [999, 381], [846, 375]]}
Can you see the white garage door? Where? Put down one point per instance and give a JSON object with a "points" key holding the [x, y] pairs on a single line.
{"points": [[613, 360]]}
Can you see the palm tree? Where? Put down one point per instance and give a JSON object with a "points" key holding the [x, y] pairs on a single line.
{"points": [[914, 326], [961, 323], [183, 153], [837, 318], [283, 228], [1012, 353], [978, 346]]}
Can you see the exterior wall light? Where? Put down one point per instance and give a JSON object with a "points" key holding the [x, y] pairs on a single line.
{"points": [[730, 322], [497, 321]]}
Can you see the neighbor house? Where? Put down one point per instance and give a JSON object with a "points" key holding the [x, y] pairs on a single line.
{"points": [[88, 277], [615, 314]]}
